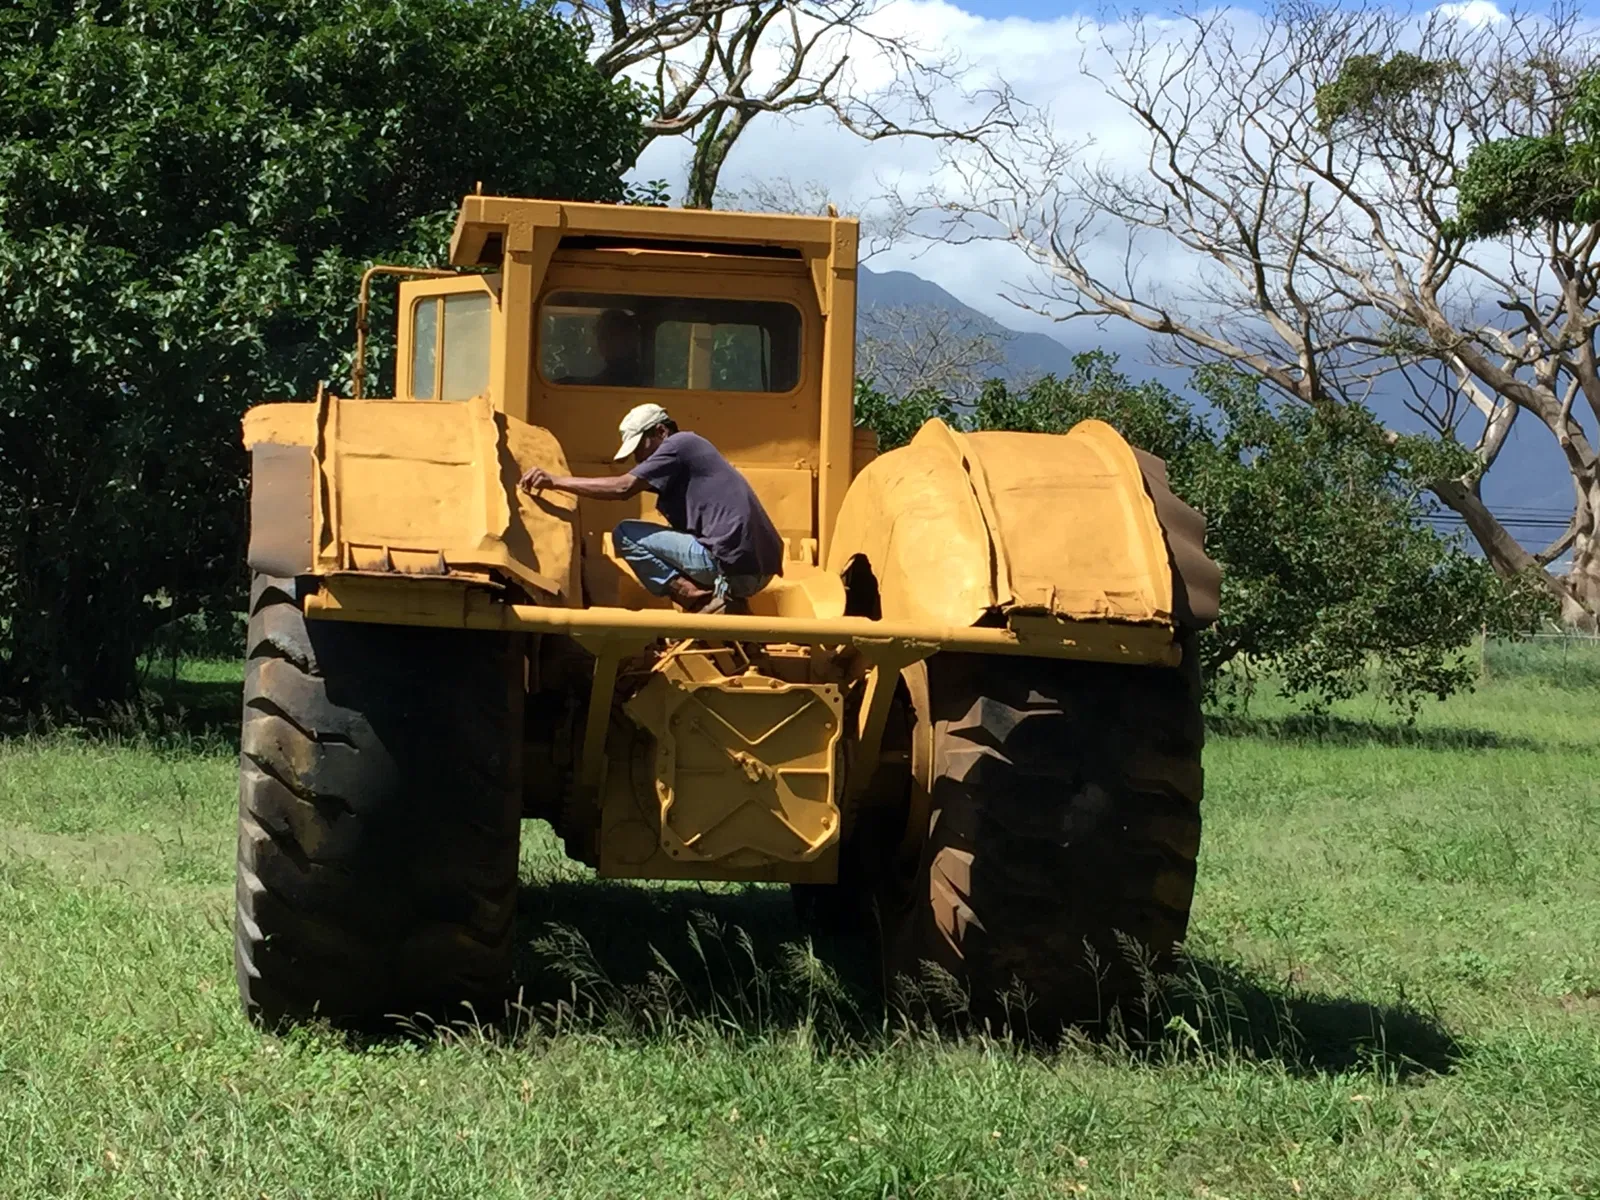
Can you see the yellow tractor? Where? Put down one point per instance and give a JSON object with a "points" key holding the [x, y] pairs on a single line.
{"points": [[966, 715]]}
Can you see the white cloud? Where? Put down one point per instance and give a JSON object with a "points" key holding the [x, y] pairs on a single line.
{"points": [[1041, 62], [1476, 13]]}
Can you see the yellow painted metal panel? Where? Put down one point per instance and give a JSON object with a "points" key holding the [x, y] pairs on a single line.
{"points": [[811, 428], [804, 590], [1079, 533], [485, 217], [417, 487], [290, 424], [958, 525], [913, 514], [457, 605], [744, 769], [751, 428], [788, 496], [837, 434]]}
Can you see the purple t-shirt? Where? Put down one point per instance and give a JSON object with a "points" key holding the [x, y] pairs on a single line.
{"points": [[700, 492]]}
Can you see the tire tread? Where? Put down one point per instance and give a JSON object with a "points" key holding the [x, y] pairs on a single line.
{"points": [[379, 812]]}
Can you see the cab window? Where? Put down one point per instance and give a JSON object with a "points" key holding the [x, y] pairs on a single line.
{"points": [[450, 347], [677, 342]]}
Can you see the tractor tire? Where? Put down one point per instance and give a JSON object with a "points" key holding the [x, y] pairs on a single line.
{"points": [[379, 811], [1064, 821]]}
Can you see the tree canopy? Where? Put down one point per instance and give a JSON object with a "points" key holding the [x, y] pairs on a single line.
{"points": [[1526, 182], [188, 194], [1315, 514]]}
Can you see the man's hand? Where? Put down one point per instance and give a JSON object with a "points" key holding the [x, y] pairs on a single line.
{"points": [[599, 487]]}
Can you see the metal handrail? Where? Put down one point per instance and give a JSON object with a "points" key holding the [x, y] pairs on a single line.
{"points": [[358, 374]]}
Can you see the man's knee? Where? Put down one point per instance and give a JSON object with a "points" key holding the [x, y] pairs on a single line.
{"points": [[630, 533]]}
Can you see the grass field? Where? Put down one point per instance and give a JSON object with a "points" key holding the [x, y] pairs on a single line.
{"points": [[1395, 991]]}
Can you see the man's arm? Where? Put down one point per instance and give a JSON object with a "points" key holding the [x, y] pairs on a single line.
{"points": [[599, 487]]}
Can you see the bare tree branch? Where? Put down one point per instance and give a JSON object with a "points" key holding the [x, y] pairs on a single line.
{"points": [[881, 227], [1313, 245], [910, 349], [713, 66]]}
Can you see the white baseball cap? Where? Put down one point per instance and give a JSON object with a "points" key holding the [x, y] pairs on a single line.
{"points": [[641, 419]]}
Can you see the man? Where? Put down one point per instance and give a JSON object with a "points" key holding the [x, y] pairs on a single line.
{"points": [[721, 547], [616, 337]]}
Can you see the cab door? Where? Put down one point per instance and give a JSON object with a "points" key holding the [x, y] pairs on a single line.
{"points": [[450, 339]]}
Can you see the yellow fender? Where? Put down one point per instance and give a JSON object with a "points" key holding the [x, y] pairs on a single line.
{"points": [[407, 487], [957, 526]]}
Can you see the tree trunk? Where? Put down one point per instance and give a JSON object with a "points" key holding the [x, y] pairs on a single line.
{"points": [[1581, 607], [711, 149], [1578, 592]]}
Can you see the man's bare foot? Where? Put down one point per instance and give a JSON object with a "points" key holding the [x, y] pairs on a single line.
{"points": [[687, 594]]}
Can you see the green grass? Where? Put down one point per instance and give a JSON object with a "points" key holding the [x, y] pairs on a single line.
{"points": [[1395, 991]]}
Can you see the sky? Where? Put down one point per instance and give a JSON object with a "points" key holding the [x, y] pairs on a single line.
{"points": [[1022, 39], [1041, 49]]}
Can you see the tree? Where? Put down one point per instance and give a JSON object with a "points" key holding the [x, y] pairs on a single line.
{"points": [[1356, 207], [1313, 513], [918, 348], [896, 419], [187, 197], [712, 66], [879, 225]]}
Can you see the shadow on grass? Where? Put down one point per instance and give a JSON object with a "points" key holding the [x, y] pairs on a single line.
{"points": [[645, 961], [207, 710], [644, 955], [1312, 729], [1225, 1008], [171, 713]]}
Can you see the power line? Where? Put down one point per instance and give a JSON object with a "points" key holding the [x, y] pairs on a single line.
{"points": [[1455, 519], [1516, 516]]}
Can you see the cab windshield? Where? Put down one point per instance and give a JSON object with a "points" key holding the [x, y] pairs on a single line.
{"points": [[592, 339]]}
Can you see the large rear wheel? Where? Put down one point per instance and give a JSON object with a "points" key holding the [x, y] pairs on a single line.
{"points": [[1063, 803], [379, 810]]}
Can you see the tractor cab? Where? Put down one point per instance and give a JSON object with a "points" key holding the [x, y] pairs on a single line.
{"points": [[743, 332]]}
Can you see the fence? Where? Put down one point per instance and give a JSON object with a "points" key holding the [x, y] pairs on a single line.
{"points": [[1562, 655]]}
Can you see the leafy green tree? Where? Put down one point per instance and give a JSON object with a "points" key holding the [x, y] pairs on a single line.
{"points": [[188, 193], [1316, 516], [896, 418], [1526, 182]]}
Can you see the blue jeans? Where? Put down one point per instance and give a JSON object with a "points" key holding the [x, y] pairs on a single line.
{"points": [[657, 553]]}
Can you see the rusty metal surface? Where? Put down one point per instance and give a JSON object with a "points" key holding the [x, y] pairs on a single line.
{"points": [[280, 509], [1197, 581]]}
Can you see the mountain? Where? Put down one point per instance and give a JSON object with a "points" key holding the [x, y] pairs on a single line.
{"points": [[1027, 355], [1528, 483]]}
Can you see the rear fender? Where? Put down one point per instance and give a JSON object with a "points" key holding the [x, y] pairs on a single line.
{"points": [[1080, 526]]}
